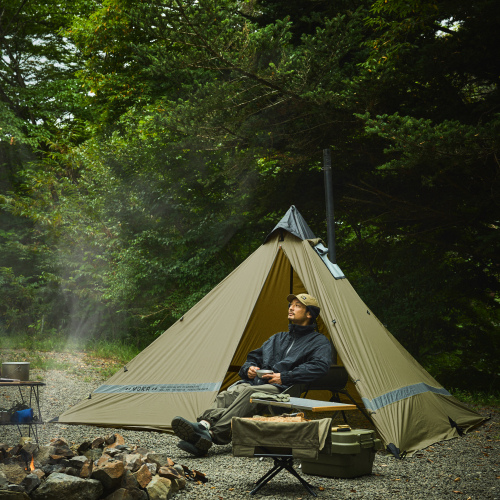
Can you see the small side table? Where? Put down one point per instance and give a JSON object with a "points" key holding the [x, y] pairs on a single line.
{"points": [[34, 397]]}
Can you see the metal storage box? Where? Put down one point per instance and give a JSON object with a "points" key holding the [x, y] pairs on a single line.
{"points": [[352, 455], [17, 370]]}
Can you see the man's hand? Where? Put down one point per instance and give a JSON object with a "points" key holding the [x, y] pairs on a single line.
{"points": [[273, 378], [252, 372]]}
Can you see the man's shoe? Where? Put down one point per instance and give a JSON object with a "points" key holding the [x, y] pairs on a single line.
{"points": [[192, 432], [191, 448]]}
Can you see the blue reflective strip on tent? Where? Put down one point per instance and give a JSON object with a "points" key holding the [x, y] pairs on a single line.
{"points": [[402, 393], [148, 388]]}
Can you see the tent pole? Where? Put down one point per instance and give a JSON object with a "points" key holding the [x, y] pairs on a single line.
{"points": [[330, 222], [330, 219]]}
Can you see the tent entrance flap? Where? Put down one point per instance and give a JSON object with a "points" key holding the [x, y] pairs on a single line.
{"points": [[269, 314]]}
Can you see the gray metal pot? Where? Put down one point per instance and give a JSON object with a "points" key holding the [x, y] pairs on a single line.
{"points": [[17, 370]]}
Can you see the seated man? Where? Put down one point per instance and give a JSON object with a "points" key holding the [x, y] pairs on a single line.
{"points": [[298, 356]]}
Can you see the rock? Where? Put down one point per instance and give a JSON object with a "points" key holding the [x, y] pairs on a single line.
{"points": [[13, 495], [84, 447], [3, 480], [29, 448], [72, 471], [42, 455], [13, 472], [159, 488], [63, 487], [121, 494], [60, 441], [110, 439], [15, 450], [102, 460], [123, 447], [26, 440], [142, 451], [170, 473], [152, 468], [49, 469], [30, 482], [179, 469], [93, 454], [97, 443], [138, 494], [119, 441], [181, 482], [160, 459], [16, 487], [133, 462], [129, 481], [110, 475], [86, 470], [64, 451], [143, 476], [39, 473], [112, 452], [55, 459], [78, 462]]}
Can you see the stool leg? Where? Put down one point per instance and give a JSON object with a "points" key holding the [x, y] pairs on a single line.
{"points": [[304, 483], [265, 479]]}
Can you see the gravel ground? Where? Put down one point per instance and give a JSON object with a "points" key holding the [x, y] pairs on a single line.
{"points": [[467, 468]]}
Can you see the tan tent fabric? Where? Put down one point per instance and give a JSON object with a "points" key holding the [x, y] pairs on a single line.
{"points": [[377, 363], [182, 371], [189, 360]]}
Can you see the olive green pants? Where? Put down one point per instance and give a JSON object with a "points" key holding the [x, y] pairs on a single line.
{"points": [[235, 402]]}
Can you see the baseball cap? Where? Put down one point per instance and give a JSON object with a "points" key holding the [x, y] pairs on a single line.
{"points": [[304, 298], [309, 301]]}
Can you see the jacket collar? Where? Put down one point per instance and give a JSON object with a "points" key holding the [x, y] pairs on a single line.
{"points": [[301, 330]]}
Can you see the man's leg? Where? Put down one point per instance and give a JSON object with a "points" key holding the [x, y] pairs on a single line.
{"points": [[195, 437], [222, 402], [240, 407]]}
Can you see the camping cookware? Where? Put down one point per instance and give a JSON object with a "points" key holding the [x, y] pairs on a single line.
{"points": [[17, 370], [5, 416], [260, 373]]}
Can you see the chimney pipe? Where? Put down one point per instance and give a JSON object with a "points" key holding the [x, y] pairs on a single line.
{"points": [[330, 219]]}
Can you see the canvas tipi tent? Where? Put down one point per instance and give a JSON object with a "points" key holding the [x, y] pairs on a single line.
{"points": [[182, 371]]}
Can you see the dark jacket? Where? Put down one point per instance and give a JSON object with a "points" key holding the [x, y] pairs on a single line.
{"points": [[300, 355]]}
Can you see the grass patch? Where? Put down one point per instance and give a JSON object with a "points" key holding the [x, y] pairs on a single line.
{"points": [[49, 342], [477, 398], [116, 351]]}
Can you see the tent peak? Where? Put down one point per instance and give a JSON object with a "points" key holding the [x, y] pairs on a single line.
{"points": [[295, 224]]}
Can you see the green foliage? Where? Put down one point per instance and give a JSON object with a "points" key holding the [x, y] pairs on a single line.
{"points": [[477, 398], [173, 134]]}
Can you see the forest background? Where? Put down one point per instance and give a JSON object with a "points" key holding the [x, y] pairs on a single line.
{"points": [[147, 148]]}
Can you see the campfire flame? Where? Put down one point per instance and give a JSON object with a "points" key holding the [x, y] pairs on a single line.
{"points": [[32, 464]]}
